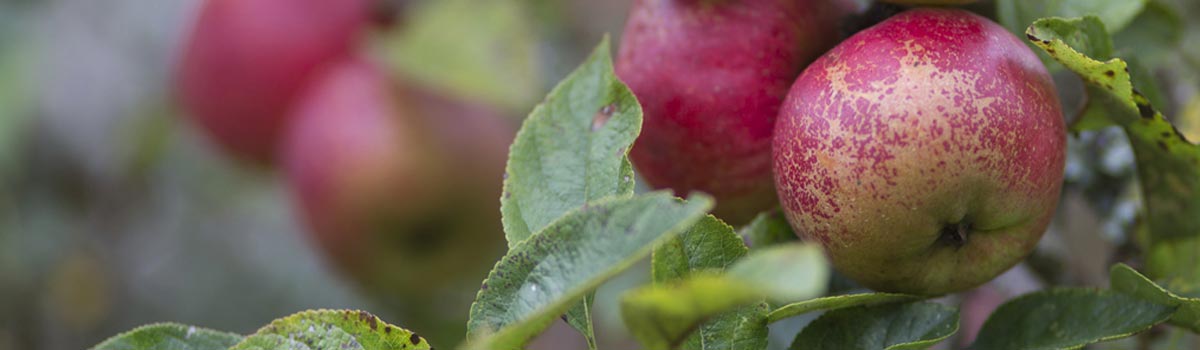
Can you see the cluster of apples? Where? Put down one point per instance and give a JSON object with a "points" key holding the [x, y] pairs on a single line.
{"points": [[925, 153], [396, 181]]}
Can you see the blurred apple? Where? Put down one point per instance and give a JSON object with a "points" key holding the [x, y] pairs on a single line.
{"points": [[398, 185], [246, 60]]}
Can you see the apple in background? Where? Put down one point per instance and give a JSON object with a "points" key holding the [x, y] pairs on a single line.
{"points": [[246, 60], [398, 185], [925, 153], [710, 76]]}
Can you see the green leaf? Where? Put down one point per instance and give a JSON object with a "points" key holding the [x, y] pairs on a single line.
{"points": [[1085, 35], [579, 317], [572, 149], [541, 277], [767, 229], [662, 316], [1067, 318], [1153, 34], [916, 325], [708, 245], [786, 272], [836, 302], [478, 49], [1175, 263], [1126, 280], [332, 330], [170, 336], [1168, 165], [1016, 15]]}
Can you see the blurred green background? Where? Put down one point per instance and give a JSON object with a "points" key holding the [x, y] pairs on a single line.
{"points": [[115, 211]]}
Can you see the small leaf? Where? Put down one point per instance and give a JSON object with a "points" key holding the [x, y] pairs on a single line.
{"points": [[332, 330], [708, 245], [768, 229], [1086, 35], [1126, 280], [662, 316], [785, 272], [579, 317], [836, 302], [541, 277], [1067, 319], [916, 325], [1168, 165], [170, 336], [572, 149], [478, 49]]}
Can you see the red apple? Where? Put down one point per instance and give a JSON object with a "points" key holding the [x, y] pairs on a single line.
{"points": [[246, 60], [925, 153], [398, 185], [711, 75]]}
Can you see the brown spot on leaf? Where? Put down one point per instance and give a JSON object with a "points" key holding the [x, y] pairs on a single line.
{"points": [[1145, 110], [1164, 146], [1110, 73], [414, 339], [602, 116]]}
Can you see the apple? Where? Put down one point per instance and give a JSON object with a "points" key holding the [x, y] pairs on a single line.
{"points": [[397, 184], [246, 60], [925, 153], [710, 76]]}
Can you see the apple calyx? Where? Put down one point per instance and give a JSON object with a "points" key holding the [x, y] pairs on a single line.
{"points": [[955, 235]]}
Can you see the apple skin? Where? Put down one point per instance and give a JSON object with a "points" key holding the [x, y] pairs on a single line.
{"points": [[925, 153], [397, 184], [246, 60], [710, 76]]}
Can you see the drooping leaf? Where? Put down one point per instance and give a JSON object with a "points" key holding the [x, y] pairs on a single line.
{"points": [[572, 149], [1168, 165], [544, 275], [916, 325], [483, 50], [836, 302], [332, 330], [662, 316], [768, 229], [1126, 280], [170, 336], [1067, 318]]}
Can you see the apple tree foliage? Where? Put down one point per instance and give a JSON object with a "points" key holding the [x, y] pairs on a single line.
{"points": [[573, 221]]}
